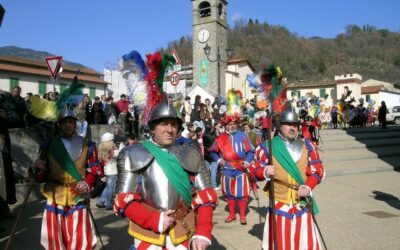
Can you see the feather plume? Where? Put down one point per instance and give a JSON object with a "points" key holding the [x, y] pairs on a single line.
{"points": [[233, 102], [253, 84], [274, 87], [167, 62], [71, 97], [157, 67], [133, 71], [134, 60], [43, 108]]}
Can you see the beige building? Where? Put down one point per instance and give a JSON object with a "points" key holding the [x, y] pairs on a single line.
{"points": [[321, 89], [379, 91], [235, 77], [329, 92], [33, 76]]}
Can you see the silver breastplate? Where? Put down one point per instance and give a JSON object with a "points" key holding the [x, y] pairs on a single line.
{"points": [[295, 148], [157, 191], [139, 171], [73, 146]]}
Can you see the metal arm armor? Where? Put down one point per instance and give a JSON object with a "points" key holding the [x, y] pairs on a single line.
{"points": [[131, 160]]}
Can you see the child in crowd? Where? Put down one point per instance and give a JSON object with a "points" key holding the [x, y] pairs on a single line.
{"points": [[108, 154]]}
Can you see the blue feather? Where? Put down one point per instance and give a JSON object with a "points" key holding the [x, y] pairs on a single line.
{"points": [[138, 61], [252, 81]]}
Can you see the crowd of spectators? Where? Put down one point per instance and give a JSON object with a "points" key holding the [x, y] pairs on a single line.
{"points": [[200, 122]]}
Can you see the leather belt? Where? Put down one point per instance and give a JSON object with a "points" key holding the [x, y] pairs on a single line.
{"points": [[181, 212], [292, 186]]}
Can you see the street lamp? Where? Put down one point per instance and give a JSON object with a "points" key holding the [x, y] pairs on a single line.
{"points": [[207, 51]]}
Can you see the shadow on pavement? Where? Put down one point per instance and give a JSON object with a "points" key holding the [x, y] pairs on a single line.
{"points": [[257, 230], [391, 200], [27, 235], [215, 245]]}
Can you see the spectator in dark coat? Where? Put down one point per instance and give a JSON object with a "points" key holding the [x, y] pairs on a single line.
{"points": [[382, 114], [97, 111], [16, 109]]}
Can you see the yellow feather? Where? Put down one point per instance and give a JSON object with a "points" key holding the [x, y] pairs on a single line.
{"points": [[43, 108]]}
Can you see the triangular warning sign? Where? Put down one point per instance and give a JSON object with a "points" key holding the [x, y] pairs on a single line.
{"points": [[53, 64], [175, 55]]}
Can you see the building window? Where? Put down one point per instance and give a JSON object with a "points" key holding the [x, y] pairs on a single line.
{"points": [[204, 9], [92, 92], [42, 88], [221, 11], [298, 94], [322, 93], [63, 87], [368, 97], [13, 83]]}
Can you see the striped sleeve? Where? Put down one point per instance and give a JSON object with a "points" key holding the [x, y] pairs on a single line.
{"points": [[94, 168], [259, 163], [315, 170]]}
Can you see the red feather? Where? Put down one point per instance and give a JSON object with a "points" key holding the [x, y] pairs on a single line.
{"points": [[154, 63], [279, 103]]}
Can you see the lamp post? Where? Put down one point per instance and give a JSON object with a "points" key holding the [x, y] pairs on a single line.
{"points": [[207, 51]]}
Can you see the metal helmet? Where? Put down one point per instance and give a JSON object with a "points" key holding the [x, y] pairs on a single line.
{"points": [[164, 109], [289, 115], [308, 118], [66, 112]]}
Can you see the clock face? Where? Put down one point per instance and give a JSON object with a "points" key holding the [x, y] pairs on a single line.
{"points": [[203, 35]]}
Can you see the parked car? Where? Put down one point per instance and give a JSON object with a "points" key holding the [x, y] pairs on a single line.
{"points": [[394, 115]]}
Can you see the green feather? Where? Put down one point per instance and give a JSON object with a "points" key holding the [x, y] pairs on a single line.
{"points": [[67, 97], [168, 61]]}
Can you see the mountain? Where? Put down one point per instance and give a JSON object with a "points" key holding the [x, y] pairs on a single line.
{"points": [[371, 52], [33, 55]]}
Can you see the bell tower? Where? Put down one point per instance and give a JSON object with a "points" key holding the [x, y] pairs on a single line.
{"points": [[210, 30]]}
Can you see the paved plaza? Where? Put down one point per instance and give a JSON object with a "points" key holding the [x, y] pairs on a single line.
{"points": [[358, 200], [357, 212]]}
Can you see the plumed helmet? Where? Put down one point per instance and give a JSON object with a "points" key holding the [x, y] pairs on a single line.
{"points": [[66, 112], [289, 116], [164, 109], [308, 118]]}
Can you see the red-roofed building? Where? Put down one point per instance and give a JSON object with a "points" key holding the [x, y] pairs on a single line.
{"points": [[33, 76]]}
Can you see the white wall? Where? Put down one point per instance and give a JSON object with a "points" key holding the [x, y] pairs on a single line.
{"points": [[238, 81], [30, 83], [391, 99], [118, 85]]}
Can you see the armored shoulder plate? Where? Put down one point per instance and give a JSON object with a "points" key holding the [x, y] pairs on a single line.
{"points": [[137, 156], [188, 156], [131, 160], [191, 160]]}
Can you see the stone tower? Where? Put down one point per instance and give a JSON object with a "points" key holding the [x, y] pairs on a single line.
{"points": [[209, 28]]}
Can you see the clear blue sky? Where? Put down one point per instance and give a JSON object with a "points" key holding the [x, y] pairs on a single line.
{"points": [[96, 32]]}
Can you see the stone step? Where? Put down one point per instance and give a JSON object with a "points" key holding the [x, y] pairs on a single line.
{"points": [[360, 136], [389, 129], [354, 144], [359, 154], [362, 166]]}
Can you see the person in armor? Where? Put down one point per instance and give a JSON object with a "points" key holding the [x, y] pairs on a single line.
{"points": [[297, 169], [68, 166], [164, 188], [233, 151]]}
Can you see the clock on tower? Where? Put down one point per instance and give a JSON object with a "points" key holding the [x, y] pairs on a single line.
{"points": [[209, 28]]}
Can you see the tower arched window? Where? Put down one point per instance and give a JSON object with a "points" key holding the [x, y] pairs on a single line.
{"points": [[221, 11], [205, 9]]}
